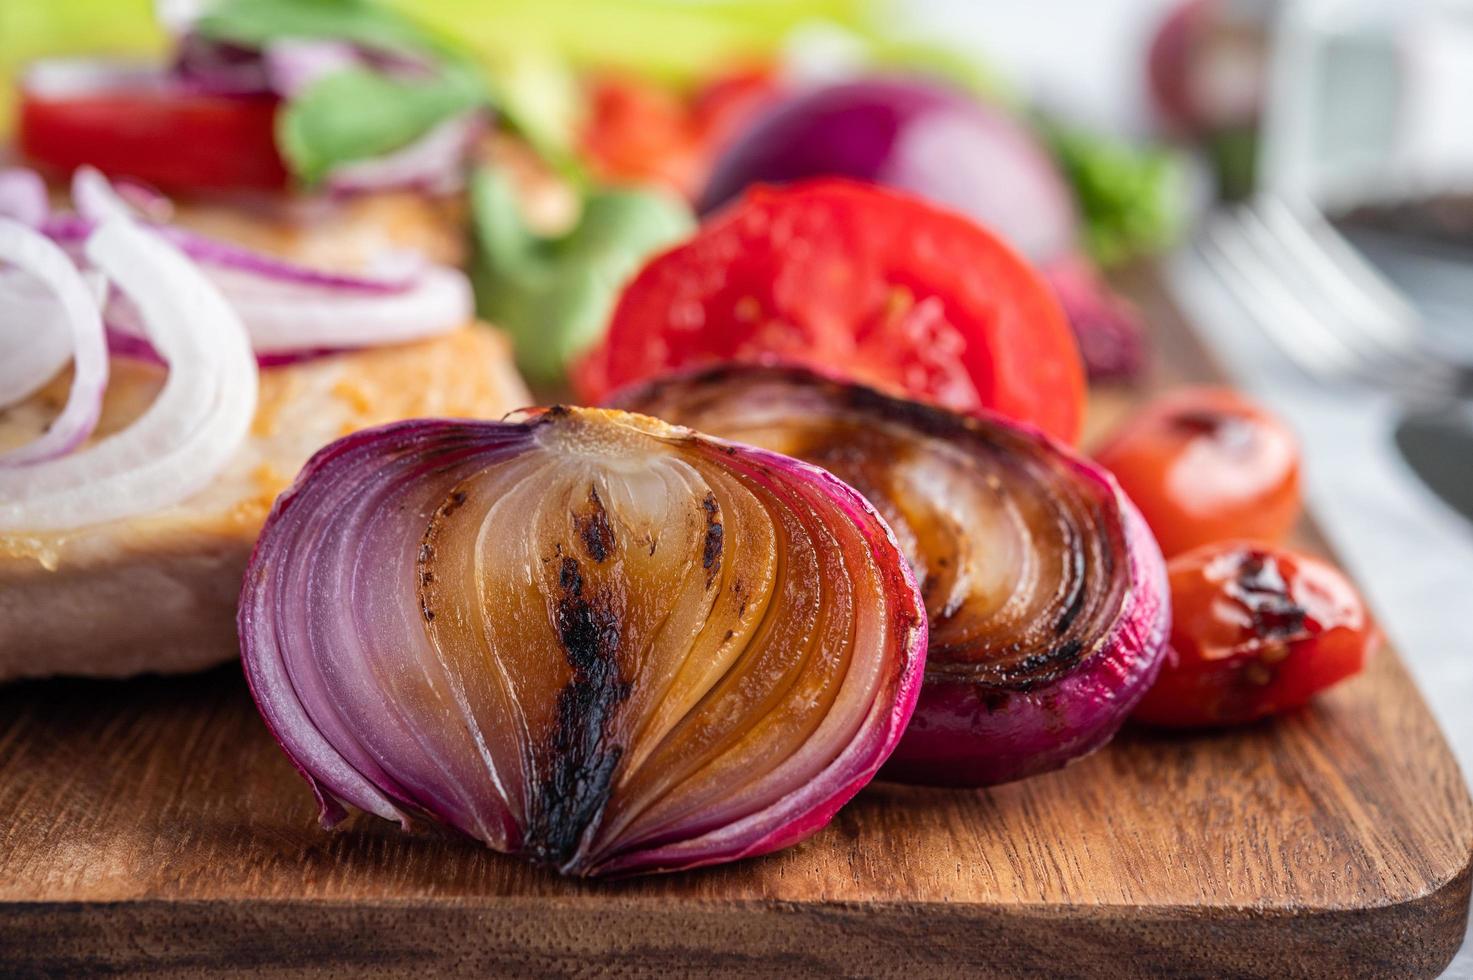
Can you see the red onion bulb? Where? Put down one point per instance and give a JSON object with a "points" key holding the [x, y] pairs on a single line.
{"points": [[586, 638], [1044, 591]]}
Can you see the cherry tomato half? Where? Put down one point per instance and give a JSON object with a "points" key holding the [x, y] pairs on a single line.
{"points": [[856, 280], [1255, 631], [1204, 465], [175, 140]]}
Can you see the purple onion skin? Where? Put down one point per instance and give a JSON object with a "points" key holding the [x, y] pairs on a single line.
{"points": [[971, 735]]}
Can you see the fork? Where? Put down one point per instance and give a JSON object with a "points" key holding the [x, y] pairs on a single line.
{"points": [[1324, 306]]}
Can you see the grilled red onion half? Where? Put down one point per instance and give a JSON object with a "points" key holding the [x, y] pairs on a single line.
{"points": [[584, 637], [1044, 590]]}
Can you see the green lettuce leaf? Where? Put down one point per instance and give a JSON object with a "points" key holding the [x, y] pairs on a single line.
{"points": [[554, 295], [1131, 198], [358, 114], [354, 114]]}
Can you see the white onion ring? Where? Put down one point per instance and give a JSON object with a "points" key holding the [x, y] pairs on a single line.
{"points": [[23, 196], [199, 420], [34, 342], [96, 198], [282, 317], [289, 308], [34, 253]]}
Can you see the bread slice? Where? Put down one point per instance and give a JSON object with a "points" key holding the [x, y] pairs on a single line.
{"points": [[157, 592]]}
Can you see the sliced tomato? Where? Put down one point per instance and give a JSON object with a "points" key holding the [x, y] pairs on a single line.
{"points": [[856, 280], [175, 140], [1256, 630]]}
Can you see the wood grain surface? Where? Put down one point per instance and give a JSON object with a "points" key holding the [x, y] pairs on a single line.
{"points": [[152, 828]]}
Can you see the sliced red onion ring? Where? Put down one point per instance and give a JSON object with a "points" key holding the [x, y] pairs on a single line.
{"points": [[293, 64], [35, 254], [282, 317], [434, 163], [288, 308], [193, 428], [219, 67], [23, 196], [1045, 593], [587, 638], [96, 198], [35, 339]]}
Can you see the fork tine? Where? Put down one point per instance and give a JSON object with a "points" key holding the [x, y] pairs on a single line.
{"points": [[1356, 269], [1338, 310], [1352, 332], [1260, 288], [1373, 315]]}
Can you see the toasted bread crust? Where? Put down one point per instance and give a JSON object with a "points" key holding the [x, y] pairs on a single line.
{"points": [[157, 592]]}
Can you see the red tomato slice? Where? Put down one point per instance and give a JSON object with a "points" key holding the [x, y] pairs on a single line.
{"points": [[177, 141], [856, 280]]}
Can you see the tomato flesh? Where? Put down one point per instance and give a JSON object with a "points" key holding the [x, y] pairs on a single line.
{"points": [[176, 141], [1205, 465], [1255, 631], [857, 281]]}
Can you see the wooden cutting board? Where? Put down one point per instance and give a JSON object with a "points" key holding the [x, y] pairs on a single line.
{"points": [[153, 828]]}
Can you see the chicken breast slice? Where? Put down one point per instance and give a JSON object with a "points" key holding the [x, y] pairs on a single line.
{"points": [[157, 592]]}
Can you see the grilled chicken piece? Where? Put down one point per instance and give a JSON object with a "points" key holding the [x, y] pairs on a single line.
{"points": [[351, 232], [157, 592], [348, 233]]}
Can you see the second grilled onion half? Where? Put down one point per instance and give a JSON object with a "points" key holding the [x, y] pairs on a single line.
{"points": [[1044, 590]]}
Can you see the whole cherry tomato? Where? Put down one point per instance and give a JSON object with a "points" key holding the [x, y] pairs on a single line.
{"points": [[1204, 465], [1255, 630], [856, 280]]}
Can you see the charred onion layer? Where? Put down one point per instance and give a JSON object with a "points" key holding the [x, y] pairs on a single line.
{"points": [[588, 638], [1044, 591]]}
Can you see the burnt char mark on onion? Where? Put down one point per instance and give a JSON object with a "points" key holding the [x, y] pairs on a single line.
{"points": [[425, 558], [572, 795], [711, 550], [594, 529]]}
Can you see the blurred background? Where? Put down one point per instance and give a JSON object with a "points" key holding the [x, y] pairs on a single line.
{"points": [[1295, 176]]}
